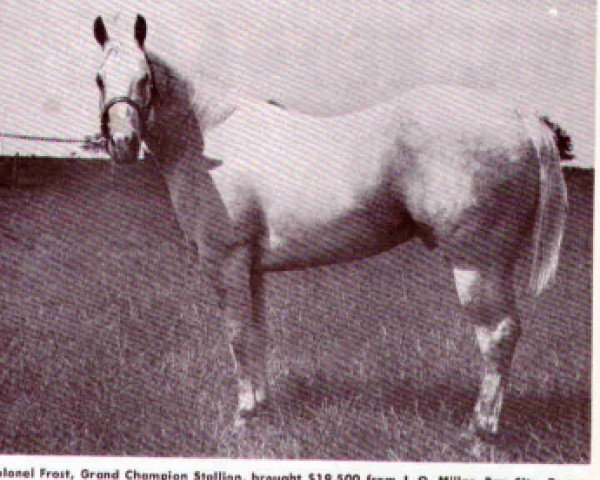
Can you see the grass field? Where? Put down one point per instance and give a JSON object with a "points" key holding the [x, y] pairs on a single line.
{"points": [[110, 342]]}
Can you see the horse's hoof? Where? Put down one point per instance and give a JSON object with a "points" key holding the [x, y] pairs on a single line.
{"points": [[242, 417], [490, 438], [261, 397], [472, 443], [239, 422], [466, 435], [262, 405], [485, 435]]}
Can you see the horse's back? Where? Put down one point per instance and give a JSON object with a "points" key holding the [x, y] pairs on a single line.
{"points": [[298, 164]]}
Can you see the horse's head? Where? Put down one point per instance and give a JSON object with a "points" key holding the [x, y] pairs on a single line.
{"points": [[126, 88]]}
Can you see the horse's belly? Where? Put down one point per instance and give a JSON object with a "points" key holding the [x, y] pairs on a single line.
{"points": [[358, 234]]}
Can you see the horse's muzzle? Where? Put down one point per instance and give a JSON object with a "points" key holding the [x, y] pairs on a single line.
{"points": [[124, 149]]}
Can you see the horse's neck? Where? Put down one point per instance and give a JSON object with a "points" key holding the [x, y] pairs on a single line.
{"points": [[185, 110], [213, 101]]}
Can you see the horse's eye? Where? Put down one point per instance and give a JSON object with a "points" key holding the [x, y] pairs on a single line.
{"points": [[99, 82], [144, 80]]}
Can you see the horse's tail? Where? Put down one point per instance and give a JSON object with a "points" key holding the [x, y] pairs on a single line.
{"points": [[552, 145]]}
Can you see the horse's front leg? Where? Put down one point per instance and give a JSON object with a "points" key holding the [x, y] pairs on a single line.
{"points": [[243, 312]]}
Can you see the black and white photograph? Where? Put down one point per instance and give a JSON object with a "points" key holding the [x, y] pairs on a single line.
{"points": [[296, 230]]}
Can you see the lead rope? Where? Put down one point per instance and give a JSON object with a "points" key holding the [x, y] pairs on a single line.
{"points": [[38, 138], [89, 141]]}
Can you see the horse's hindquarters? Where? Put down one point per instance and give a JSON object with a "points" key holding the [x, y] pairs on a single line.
{"points": [[484, 215]]}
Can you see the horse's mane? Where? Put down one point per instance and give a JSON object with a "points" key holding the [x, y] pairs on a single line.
{"points": [[186, 107], [206, 94], [170, 86], [175, 125]]}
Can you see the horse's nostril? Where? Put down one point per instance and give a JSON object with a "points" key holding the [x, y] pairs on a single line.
{"points": [[122, 138], [124, 147], [126, 140]]}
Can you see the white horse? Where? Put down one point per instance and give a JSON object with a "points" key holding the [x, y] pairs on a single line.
{"points": [[261, 188]]}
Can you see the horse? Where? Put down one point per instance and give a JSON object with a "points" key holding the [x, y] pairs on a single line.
{"points": [[259, 188]]}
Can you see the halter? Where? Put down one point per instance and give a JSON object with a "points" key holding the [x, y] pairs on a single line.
{"points": [[143, 112]]}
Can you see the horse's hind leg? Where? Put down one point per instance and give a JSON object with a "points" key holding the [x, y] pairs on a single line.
{"points": [[488, 296], [243, 311]]}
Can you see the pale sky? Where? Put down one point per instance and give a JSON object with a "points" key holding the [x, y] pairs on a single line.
{"points": [[319, 56]]}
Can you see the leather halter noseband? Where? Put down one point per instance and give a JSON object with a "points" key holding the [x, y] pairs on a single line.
{"points": [[143, 112]]}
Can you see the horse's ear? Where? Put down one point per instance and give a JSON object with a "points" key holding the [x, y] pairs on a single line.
{"points": [[100, 31], [140, 30]]}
